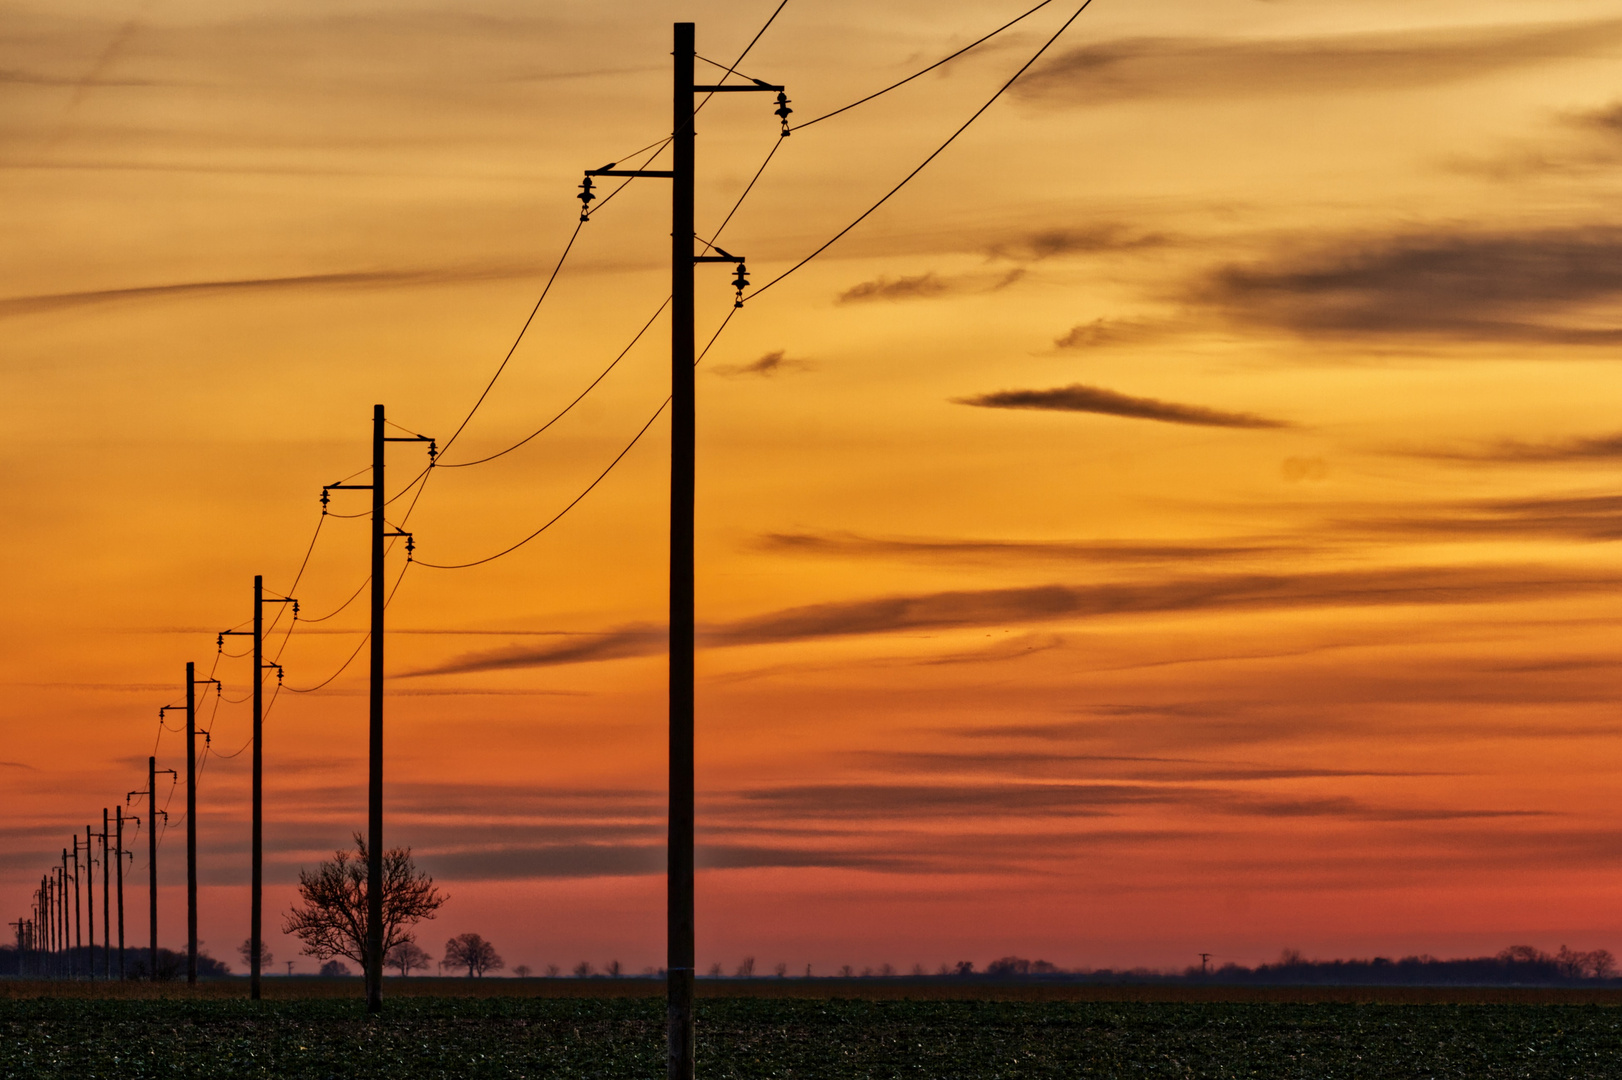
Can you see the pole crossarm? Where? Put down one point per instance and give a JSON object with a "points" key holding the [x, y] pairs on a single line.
{"points": [[657, 174], [739, 88]]}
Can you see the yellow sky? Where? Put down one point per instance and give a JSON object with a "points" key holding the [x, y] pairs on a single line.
{"points": [[1182, 519]]}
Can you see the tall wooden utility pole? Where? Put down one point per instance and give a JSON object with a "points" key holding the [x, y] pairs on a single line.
{"points": [[90, 901], [191, 820], [374, 774], [106, 916], [78, 911], [679, 928], [256, 888], [118, 858]]}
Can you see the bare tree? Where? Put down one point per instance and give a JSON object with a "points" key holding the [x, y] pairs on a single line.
{"points": [[245, 950], [613, 969], [408, 956], [552, 971], [781, 969], [746, 968], [331, 916], [583, 970], [472, 952], [334, 969], [522, 971]]}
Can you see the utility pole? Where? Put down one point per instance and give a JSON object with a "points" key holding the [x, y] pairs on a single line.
{"points": [[106, 935], [90, 900], [78, 911], [680, 948], [118, 857], [374, 776], [256, 904], [67, 933], [152, 813], [191, 815]]}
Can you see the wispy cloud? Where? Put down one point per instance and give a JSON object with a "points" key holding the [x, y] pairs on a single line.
{"points": [[638, 639], [1602, 448], [1096, 399], [27, 305], [954, 549], [1055, 242], [775, 362], [1102, 333], [1518, 286], [1569, 517], [1184, 67], [927, 286], [1046, 603]]}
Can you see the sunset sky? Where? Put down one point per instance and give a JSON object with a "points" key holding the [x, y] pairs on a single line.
{"points": [[1183, 519]]}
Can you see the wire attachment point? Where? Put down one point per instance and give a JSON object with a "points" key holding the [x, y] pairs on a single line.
{"points": [[741, 282], [783, 112], [326, 498], [433, 453], [585, 198], [411, 546]]}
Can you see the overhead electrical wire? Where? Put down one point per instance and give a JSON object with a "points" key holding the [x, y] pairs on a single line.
{"points": [[943, 60], [933, 155], [387, 601]]}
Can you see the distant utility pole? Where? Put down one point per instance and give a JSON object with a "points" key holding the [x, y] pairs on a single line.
{"points": [[90, 899], [118, 859], [191, 815], [78, 911], [67, 927], [374, 786], [152, 813], [1205, 960], [256, 905], [680, 951], [106, 928]]}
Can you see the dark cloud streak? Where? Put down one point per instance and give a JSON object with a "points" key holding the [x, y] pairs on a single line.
{"points": [[1094, 399]]}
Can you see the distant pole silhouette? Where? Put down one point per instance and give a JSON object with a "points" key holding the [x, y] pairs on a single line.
{"points": [[152, 859], [257, 893], [106, 915], [374, 773], [118, 859], [78, 911], [90, 901], [66, 940], [257, 903]]}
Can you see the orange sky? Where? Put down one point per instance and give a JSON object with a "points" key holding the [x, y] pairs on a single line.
{"points": [[1181, 520]]}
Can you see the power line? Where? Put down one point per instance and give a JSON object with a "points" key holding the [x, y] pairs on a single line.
{"points": [[521, 330], [937, 152], [386, 602], [600, 477], [572, 404], [559, 515], [925, 71]]}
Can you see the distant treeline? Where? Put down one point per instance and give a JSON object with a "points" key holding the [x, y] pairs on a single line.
{"points": [[1516, 965], [79, 961]]}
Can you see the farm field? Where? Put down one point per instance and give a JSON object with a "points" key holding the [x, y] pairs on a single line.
{"points": [[534, 1036]]}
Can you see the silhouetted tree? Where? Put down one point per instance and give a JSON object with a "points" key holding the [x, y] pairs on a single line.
{"points": [[522, 971], [472, 952], [613, 969], [245, 950], [552, 971], [781, 970], [331, 916], [746, 968], [583, 970], [408, 956], [334, 969]]}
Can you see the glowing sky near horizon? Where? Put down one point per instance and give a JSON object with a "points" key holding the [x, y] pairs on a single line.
{"points": [[1183, 519]]}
